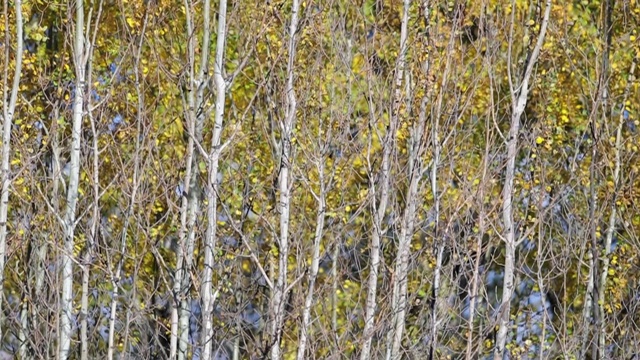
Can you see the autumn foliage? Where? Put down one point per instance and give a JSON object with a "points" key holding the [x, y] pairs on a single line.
{"points": [[320, 179]]}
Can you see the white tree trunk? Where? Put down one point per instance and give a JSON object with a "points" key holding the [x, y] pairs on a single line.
{"points": [[279, 297], [95, 214], [399, 296], [315, 264], [180, 253], [385, 173], [195, 115], [478, 251], [612, 218], [186, 195], [41, 252], [66, 299], [8, 111], [212, 186], [439, 239], [89, 250], [519, 102]]}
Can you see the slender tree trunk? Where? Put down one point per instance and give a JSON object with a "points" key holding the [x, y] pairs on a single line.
{"points": [[279, 297], [41, 252], [90, 247], [336, 249], [481, 227], [439, 240], [437, 146], [187, 192], [399, 295], [384, 181], [590, 311], [540, 279], [87, 258], [374, 256], [8, 111], [195, 114], [593, 311], [66, 306], [23, 351], [399, 292], [519, 102], [612, 216], [334, 289], [478, 250], [135, 184], [417, 148], [187, 262], [181, 248], [607, 28], [315, 263], [591, 295], [208, 298]]}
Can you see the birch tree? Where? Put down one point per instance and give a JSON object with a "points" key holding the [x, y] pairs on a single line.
{"points": [[379, 208], [281, 287], [81, 56], [195, 112], [607, 29], [325, 181], [519, 96], [437, 145], [590, 311], [208, 296], [417, 146], [611, 227], [399, 296], [476, 281], [89, 250], [9, 101], [135, 185]]}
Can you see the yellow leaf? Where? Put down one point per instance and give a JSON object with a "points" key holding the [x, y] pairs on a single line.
{"points": [[131, 21], [539, 140]]}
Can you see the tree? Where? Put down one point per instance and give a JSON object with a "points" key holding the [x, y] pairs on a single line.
{"points": [[519, 94], [9, 101]]}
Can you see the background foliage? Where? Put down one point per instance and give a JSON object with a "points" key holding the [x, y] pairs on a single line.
{"points": [[344, 69]]}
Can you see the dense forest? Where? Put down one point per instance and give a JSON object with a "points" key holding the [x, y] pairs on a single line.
{"points": [[287, 179]]}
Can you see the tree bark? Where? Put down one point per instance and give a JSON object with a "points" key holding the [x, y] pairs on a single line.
{"points": [[135, 184], [8, 112], [380, 209], [195, 114], [399, 296], [315, 259], [280, 290], [519, 102], [613, 216], [66, 299], [91, 237], [208, 298]]}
